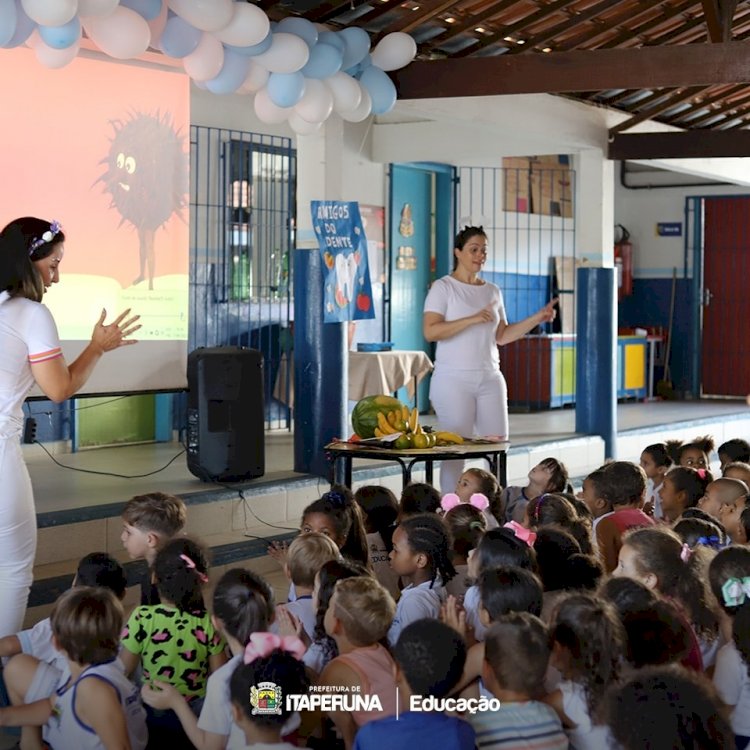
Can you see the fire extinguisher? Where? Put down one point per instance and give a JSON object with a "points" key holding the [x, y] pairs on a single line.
{"points": [[624, 263]]}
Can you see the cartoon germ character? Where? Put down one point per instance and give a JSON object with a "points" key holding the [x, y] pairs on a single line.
{"points": [[147, 176]]}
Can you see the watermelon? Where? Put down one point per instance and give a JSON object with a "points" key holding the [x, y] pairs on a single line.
{"points": [[365, 414]]}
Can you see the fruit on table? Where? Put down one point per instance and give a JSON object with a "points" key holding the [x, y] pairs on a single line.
{"points": [[370, 414], [447, 438]]}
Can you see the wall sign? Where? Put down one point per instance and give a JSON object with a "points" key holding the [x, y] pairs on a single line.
{"points": [[343, 247], [669, 229]]}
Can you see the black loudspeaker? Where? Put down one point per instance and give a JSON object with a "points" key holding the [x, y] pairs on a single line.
{"points": [[225, 415]]}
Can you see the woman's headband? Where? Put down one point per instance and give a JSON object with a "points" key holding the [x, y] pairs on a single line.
{"points": [[54, 229]]}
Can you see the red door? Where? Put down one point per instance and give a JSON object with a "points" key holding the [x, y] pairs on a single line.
{"points": [[726, 297]]}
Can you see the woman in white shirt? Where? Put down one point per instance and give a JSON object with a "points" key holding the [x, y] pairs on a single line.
{"points": [[466, 316], [31, 250]]}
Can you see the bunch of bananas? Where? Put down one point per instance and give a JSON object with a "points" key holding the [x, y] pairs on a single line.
{"points": [[397, 420], [448, 438]]}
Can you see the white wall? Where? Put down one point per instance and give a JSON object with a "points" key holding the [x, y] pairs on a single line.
{"points": [[640, 211]]}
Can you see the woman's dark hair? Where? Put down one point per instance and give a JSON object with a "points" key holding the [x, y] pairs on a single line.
{"points": [[418, 498], [731, 562], [692, 482], [98, 569], [427, 534], [467, 525], [735, 449], [18, 275], [501, 547], [491, 489], [380, 509], [550, 508], [680, 574], [280, 668], [329, 574], [554, 546], [338, 504], [667, 707], [244, 603], [181, 570], [506, 589], [589, 629], [463, 237], [695, 531], [659, 453]]}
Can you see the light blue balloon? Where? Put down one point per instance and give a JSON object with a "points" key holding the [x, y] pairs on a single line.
{"points": [[285, 89], [332, 38], [61, 37], [179, 38], [148, 9], [381, 89], [23, 27], [356, 70], [8, 21], [253, 49], [300, 27], [324, 61], [357, 45], [232, 74]]}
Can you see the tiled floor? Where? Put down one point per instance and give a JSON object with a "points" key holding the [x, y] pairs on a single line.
{"points": [[58, 488]]}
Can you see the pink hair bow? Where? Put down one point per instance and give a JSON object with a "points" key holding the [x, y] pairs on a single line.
{"points": [[202, 577], [451, 500], [685, 553], [262, 645], [521, 532], [701, 473]]}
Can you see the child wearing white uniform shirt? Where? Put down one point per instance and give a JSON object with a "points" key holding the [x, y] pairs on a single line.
{"points": [[421, 556]]}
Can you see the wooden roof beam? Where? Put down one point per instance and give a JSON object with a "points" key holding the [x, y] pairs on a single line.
{"points": [[584, 70], [718, 16], [649, 113], [690, 144]]}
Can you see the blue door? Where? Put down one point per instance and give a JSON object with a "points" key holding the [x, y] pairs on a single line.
{"points": [[420, 223]]}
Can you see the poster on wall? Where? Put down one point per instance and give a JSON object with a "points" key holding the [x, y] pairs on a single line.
{"points": [[346, 274]]}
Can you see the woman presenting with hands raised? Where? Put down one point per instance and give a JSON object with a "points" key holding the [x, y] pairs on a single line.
{"points": [[466, 316], [31, 250]]}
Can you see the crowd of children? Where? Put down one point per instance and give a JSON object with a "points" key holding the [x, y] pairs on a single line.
{"points": [[521, 617]]}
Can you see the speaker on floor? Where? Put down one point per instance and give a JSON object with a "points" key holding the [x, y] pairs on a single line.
{"points": [[225, 415]]}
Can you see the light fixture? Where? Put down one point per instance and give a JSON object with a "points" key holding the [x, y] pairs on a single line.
{"points": [[547, 49], [508, 39], [450, 19], [480, 29], [521, 41]]}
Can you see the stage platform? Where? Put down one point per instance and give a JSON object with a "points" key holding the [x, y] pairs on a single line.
{"points": [[79, 512]]}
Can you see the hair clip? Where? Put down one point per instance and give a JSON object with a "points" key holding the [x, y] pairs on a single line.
{"points": [[521, 532], [735, 591], [54, 229], [202, 577], [450, 500], [709, 541], [335, 498], [685, 553], [476, 525], [262, 645], [701, 473], [538, 505]]}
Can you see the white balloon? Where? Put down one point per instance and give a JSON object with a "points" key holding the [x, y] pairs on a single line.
{"points": [[123, 34], [267, 111], [394, 51], [347, 93], [206, 15], [249, 25], [55, 58], [362, 111], [97, 7], [316, 103], [50, 12], [288, 53], [206, 60], [303, 127], [255, 80]]}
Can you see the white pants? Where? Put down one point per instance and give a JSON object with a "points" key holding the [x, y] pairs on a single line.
{"points": [[469, 402], [17, 529]]}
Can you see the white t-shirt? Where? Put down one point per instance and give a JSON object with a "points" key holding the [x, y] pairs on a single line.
{"points": [[380, 565], [733, 685], [653, 496], [586, 735], [417, 603], [472, 602], [474, 348], [37, 642], [216, 714], [27, 334]]}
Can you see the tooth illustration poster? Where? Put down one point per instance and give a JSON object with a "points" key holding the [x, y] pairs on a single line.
{"points": [[343, 247]]}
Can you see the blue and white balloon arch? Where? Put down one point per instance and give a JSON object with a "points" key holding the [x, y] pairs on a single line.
{"points": [[297, 71]]}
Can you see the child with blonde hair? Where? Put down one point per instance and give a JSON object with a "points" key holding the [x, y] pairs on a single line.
{"points": [[358, 617]]}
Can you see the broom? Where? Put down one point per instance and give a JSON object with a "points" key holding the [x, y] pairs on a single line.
{"points": [[664, 387]]}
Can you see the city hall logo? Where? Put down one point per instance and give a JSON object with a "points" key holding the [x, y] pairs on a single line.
{"points": [[265, 698]]}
